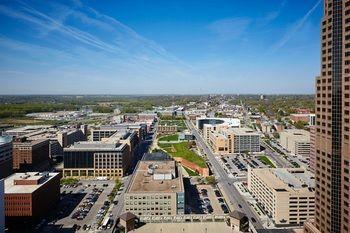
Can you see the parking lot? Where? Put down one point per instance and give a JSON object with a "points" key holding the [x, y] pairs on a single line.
{"points": [[81, 207], [204, 199], [238, 164]]}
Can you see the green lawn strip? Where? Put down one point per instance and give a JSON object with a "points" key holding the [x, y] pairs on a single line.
{"points": [[165, 145], [69, 181], [190, 172], [168, 138], [182, 151], [115, 189], [265, 160]]}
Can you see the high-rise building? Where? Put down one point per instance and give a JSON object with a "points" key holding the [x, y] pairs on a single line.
{"points": [[312, 159], [332, 170]]}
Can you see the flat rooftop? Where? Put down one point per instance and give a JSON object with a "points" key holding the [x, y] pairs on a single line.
{"points": [[143, 181], [186, 227], [5, 139], [29, 128], [300, 133], [289, 179], [243, 131], [95, 146], [11, 188]]}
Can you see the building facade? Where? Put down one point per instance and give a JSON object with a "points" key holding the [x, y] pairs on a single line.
{"points": [[31, 194], [287, 195], [166, 129], [96, 159], [312, 159], [296, 141], [332, 169], [6, 158], [28, 155], [156, 187], [234, 140]]}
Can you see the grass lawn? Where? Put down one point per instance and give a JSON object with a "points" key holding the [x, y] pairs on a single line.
{"points": [[265, 160], [190, 172], [181, 150], [69, 181], [174, 137]]}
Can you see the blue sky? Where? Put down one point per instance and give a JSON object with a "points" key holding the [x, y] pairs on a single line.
{"points": [[159, 47]]}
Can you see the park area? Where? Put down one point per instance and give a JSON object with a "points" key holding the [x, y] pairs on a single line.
{"points": [[265, 160], [182, 150], [181, 126], [169, 138]]}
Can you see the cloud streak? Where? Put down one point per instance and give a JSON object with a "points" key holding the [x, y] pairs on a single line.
{"points": [[229, 28], [119, 49], [294, 29]]}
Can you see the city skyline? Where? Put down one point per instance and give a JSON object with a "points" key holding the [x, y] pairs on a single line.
{"points": [[175, 48]]}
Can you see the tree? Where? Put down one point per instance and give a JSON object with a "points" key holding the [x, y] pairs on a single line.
{"points": [[210, 180]]}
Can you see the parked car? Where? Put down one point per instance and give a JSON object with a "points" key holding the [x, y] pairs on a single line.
{"points": [[224, 208]]}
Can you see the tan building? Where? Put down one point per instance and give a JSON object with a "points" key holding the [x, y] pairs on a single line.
{"points": [[31, 194], [333, 122], [286, 194], [208, 128], [296, 141], [219, 143], [156, 187], [234, 140], [312, 159], [29, 155]]}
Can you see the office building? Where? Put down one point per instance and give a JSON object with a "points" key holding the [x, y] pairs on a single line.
{"points": [[5, 156], [21, 131], [286, 194], [166, 129], [296, 141], [31, 194], [30, 155], [96, 159], [332, 123], [68, 137], [59, 137], [234, 140], [106, 131], [156, 187]]}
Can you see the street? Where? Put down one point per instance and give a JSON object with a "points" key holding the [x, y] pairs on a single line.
{"points": [[227, 183]]}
